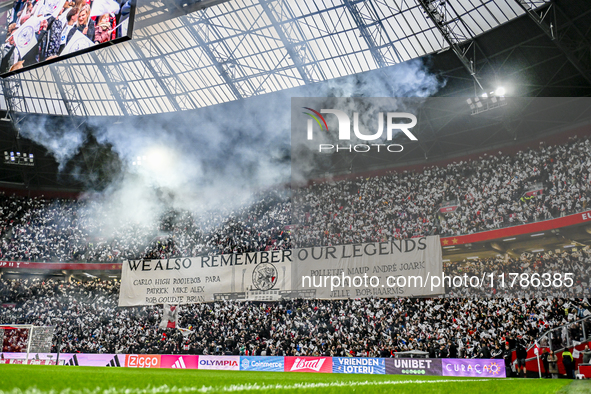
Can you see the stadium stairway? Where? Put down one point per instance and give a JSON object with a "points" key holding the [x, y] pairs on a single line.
{"points": [[532, 362]]}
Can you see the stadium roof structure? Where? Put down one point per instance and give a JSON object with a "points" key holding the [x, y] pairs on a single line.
{"points": [[189, 55], [523, 53]]}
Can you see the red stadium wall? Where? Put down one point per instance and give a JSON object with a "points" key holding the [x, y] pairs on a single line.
{"points": [[39, 193], [532, 364], [23, 265], [512, 231]]}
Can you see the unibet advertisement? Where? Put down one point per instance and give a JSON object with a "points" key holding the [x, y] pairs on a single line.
{"points": [[413, 366]]}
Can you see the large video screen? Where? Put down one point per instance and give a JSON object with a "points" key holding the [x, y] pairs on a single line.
{"points": [[38, 32]]}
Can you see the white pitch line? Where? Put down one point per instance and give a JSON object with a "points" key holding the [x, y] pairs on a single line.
{"points": [[235, 387]]}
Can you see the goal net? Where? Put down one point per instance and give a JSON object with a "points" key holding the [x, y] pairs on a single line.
{"points": [[26, 339]]}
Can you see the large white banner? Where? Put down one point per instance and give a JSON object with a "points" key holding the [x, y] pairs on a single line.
{"points": [[262, 276], [401, 268], [389, 269]]}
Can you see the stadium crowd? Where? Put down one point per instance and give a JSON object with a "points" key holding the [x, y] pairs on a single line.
{"points": [[575, 262], [74, 230], [490, 193], [88, 320]]}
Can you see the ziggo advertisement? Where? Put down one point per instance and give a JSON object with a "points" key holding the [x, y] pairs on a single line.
{"points": [[481, 368]]}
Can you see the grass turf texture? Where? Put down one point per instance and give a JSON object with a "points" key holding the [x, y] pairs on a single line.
{"points": [[43, 379]]}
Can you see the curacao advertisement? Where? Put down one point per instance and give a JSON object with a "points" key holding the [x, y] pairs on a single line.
{"points": [[480, 368]]}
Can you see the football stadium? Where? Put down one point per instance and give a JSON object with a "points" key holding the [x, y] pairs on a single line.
{"points": [[295, 196]]}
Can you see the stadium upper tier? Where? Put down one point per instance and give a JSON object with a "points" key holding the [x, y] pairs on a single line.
{"points": [[242, 48], [463, 197]]}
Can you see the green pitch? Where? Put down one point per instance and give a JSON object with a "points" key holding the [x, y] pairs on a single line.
{"points": [[39, 379]]}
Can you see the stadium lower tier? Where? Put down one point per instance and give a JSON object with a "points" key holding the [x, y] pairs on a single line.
{"points": [[485, 368]]}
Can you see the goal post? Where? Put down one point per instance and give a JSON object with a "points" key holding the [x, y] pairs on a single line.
{"points": [[25, 338]]}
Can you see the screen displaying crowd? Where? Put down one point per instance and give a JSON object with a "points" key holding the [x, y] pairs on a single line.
{"points": [[88, 320], [41, 30], [491, 192]]}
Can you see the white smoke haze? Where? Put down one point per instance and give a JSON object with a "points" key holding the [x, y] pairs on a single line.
{"points": [[63, 143], [129, 201], [406, 80], [409, 79], [402, 88], [215, 158]]}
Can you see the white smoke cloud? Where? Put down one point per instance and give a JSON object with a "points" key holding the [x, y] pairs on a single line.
{"points": [[62, 142], [212, 157]]}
